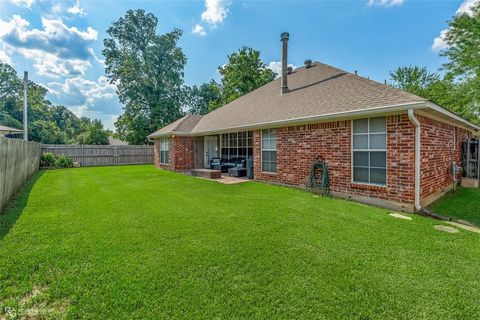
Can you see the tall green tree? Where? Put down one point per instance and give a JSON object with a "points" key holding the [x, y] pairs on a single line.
{"points": [[445, 91], [244, 72], [414, 79], [95, 134], [463, 54], [147, 68], [463, 45], [202, 99]]}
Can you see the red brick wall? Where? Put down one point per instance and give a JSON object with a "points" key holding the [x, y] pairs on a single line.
{"points": [[180, 154], [440, 147], [299, 146]]}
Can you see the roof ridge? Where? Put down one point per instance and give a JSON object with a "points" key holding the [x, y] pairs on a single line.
{"points": [[368, 80]]}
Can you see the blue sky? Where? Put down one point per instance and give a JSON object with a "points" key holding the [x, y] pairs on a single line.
{"points": [[60, 42]]}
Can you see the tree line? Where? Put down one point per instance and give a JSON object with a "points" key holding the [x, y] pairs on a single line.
{"points": [[47, 123]]}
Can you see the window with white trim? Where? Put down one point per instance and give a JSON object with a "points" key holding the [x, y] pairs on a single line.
{"points": [[164, 145], [236, 145], [369, 137], [269, 150]]}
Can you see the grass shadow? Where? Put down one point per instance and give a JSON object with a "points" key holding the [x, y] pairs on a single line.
{"points": [[13, 211]]}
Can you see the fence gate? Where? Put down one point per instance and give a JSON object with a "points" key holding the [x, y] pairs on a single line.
{"points": [[471, 157]]}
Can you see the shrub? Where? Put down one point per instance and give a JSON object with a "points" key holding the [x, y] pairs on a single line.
{"points": [[47, 160], [64, 162]]}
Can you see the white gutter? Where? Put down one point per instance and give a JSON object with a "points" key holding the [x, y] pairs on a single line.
{"points": [[416, 123], [444, 111]]}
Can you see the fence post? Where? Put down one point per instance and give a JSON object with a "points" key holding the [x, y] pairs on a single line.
{"points": [[83, 156]]}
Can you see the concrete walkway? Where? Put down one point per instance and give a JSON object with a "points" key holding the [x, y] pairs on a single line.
{"points": [[464, 226]]}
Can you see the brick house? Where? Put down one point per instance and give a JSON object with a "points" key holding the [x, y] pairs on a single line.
{"points": [[383, 146]]}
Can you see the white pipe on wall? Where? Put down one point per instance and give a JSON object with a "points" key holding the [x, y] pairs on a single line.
{"points": [[416, 123]]}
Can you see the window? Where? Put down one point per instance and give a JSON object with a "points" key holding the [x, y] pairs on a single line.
{"points": [[269, 150], [164, 150], [236, 145], [369, 138]]}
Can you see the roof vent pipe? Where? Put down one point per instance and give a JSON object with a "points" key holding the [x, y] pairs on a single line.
{"points": [[308, 63], [284, 37], [289, 70]]}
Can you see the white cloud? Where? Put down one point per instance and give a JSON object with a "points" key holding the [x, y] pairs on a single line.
{"points": [[6, 54], [56, 8], [50, 65], [4, 57], [215, 11], [439, 42], [86, 96], [467, 6], [93, 99], [24, 3], [57, 50], [385, 3], [77, 9], [94, 55], [276, 67], [108, 120], [199, 29]]}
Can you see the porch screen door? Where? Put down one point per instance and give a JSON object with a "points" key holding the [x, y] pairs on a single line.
{"points": [[211, 150]]}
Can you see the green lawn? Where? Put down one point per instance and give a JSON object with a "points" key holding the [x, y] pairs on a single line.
{"points": [[464, 204], [139, 242]]}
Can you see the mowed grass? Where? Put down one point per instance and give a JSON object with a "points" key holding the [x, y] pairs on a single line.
{"points": [[463, 204], [140, 242]]}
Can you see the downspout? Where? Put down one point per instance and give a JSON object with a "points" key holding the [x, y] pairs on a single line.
{"points": [[416, 123]]}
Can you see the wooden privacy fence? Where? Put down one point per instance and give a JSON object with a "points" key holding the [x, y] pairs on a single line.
{"points": [[90, 155], [18, 161]]}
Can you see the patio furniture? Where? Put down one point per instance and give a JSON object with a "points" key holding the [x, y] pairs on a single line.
{"points": [[215, 163], [237, 172]]}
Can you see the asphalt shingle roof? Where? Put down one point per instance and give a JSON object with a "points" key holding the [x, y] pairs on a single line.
{"points": [[8, 129], [313, 92], [183, 125]]}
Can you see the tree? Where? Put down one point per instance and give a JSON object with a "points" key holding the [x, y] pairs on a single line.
{"points": [[148, 70], [445, 92], [94, 135], [202, 99], [463, 53], [243, 73], [414, 79], [463, 45]]}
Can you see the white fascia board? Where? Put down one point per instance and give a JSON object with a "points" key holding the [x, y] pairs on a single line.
{"points": [[452, 115]]}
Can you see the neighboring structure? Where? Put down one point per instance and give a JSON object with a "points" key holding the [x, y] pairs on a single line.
{"points": [[116, 142], [382, 145], [4, 130]]}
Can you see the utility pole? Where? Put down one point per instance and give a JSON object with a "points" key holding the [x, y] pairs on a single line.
{"points": [[25, 107]]}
